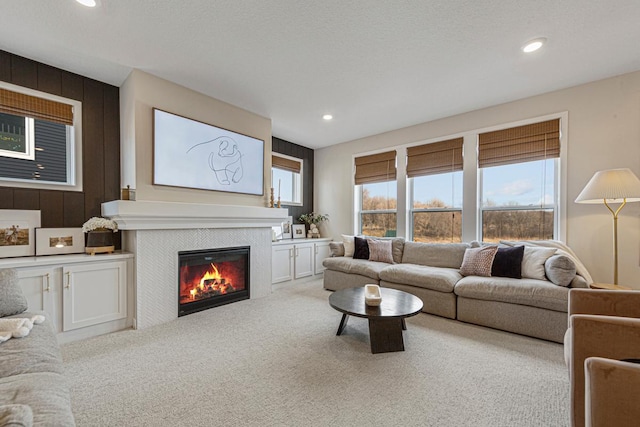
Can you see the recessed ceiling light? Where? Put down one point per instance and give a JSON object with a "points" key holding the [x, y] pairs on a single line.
{"points": [[327, 117], [88, 3], [533, 45]]}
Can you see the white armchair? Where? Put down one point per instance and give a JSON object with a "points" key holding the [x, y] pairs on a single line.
{"points": [[604, 324]]}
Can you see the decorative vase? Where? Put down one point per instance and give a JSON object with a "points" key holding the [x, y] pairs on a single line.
{"points": [[99, 242]]}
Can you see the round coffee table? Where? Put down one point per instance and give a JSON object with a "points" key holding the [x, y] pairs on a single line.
{"points": [[386, 321]]}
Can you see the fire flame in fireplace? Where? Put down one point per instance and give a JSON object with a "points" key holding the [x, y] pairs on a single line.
{"points": [[211, 284]]}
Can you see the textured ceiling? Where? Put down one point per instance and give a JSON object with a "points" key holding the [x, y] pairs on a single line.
{"points": [[375, 65]]}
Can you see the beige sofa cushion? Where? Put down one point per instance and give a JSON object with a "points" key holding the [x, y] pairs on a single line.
{"points": [[349, 265], [448, 255], [531, 292], [434, 278]]}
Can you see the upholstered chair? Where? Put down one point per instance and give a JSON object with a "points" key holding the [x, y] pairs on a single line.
{"points": [[602, 323], [612, 388]]}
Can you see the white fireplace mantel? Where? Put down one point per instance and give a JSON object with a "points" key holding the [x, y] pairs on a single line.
{"points": [[151, 215]]}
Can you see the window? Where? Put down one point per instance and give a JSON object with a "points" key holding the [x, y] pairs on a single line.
{"points": [[435, 181], [286, 173], [518, 173], [375, 179], [39, 140]]}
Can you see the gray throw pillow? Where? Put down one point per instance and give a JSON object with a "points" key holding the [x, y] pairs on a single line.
{"points": [[337, 248], [560, 270], [12, 300]]}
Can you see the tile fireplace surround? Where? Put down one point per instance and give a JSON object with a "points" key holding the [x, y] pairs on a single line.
{"points": [[156, 231]]}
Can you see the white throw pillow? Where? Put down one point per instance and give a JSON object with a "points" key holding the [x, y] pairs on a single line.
{"points": [[533, 262], [349, 245]]}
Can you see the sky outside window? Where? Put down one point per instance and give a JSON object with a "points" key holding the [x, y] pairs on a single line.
{"points": [[520, 184]]}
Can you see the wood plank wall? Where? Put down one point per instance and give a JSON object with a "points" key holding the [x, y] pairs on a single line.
{"points": [[100, 143], [306, 154]]}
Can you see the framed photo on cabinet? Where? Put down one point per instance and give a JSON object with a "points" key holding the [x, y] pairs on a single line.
{"points": [[17, 232], [298, 231]]}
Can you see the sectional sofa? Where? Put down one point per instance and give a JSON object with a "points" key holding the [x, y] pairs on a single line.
{"points": [[535, 307], [33, 388]]}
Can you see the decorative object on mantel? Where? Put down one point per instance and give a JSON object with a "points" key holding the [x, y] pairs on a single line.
{"points": [[612, 186], [128, 193], [313, 219], [17, 232], [99, 235]]}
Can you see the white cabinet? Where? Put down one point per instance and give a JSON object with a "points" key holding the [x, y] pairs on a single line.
{"points": [[303, 260], [81, 295], [298, 259], [321, 251], [93, 293], [282, 263], [37, 286]]}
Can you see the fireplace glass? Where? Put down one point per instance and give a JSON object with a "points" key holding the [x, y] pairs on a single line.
{"points": [[212, 277]]}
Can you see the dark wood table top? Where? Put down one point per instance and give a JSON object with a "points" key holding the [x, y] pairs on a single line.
{"points": [[394, 303]]}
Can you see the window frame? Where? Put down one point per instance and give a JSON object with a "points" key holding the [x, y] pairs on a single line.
{"points": [[300, 180], [471, 202], [73, 148], [359, 212], [411, 210]]}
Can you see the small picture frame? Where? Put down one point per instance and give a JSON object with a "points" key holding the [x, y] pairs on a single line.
{"points": [[286, 228], [17, 235], [298, 231], [58, 241]]}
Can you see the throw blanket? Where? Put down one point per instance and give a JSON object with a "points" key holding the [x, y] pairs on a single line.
{"points": [[562, 250], [18, 327]]}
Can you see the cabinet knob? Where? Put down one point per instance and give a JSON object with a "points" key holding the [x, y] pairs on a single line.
{"points": [[68, 286], [48, 288]]}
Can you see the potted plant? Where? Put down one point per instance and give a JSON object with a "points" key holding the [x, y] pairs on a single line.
{"points": [[99, 235], [313, 219]]}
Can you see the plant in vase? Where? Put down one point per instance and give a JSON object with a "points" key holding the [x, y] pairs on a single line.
{"points": [[99, 235], [313, 219]]}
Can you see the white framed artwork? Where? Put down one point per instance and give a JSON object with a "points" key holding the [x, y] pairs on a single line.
{"points": [[286, 228], [57, 241], [191, 154], [17, 232], [299, 231]]}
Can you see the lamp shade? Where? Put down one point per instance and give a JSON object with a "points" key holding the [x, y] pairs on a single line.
{"points": [[613, 185]]}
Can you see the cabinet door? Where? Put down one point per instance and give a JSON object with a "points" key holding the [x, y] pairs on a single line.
{"points": [[303, 260], [93, 293], [282, 263], [322, 251], [38, 287]]}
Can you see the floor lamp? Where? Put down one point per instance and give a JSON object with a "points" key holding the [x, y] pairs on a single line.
{"points": [[612, 186]]}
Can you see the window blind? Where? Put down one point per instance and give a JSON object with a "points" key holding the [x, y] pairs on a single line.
{"points": [[286, 164], [537, 141], [434, 158], [379, 167], [20, 104]]}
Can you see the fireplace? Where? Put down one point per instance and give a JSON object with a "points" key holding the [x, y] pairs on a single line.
{"points": [[212, 277]]}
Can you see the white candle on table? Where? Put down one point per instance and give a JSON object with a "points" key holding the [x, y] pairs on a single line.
{"points": [[279, 182]]}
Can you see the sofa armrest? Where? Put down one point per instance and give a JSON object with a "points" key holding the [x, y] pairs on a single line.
{"points": [[612, 388], [604, 302], [600, 336]]}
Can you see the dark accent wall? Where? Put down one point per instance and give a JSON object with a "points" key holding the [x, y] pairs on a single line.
{"points": [[306, 154], [100, 143]]}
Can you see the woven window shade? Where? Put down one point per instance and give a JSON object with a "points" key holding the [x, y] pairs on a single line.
{"points": [[537, 141], [286, 164], [379, 167], [20, 104], [434, 158]]}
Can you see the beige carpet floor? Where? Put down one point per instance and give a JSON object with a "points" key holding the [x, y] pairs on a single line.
{"points": [[276, 361]]}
